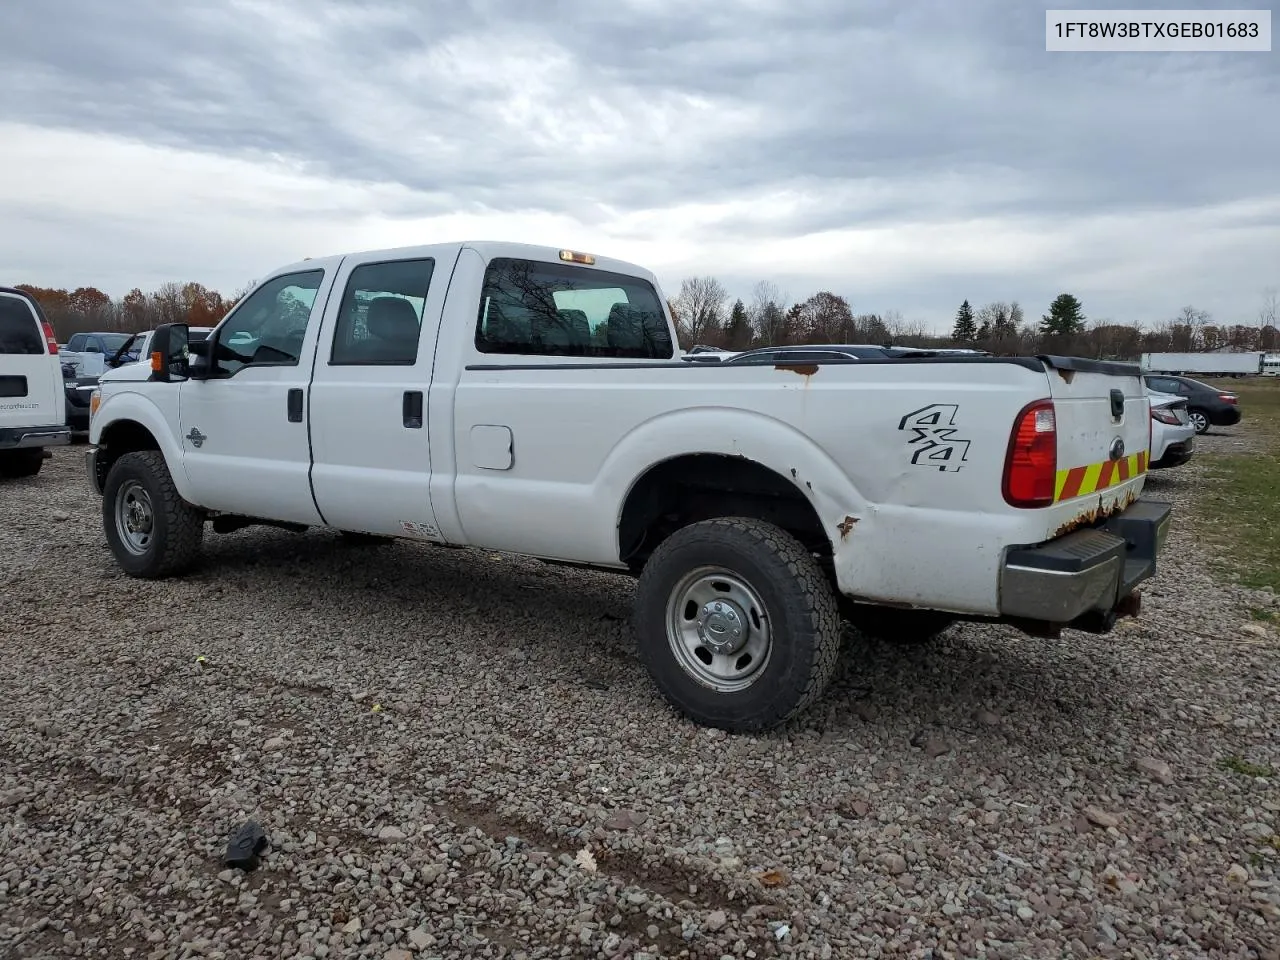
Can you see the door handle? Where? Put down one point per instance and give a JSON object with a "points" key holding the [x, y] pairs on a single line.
{"points": [[411, 408], [295, 405]]}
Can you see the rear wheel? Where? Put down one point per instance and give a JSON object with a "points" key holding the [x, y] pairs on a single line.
{"points": [[21, 463], [152, 531], [1199, 420], [737, 624]]}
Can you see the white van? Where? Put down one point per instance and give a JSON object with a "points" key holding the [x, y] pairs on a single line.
{"points": [[33, 407]]}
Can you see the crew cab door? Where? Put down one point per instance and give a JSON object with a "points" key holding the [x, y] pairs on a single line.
{"points": [[244, 429], [371, 450]]}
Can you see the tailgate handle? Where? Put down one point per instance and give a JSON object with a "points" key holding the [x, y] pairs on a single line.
{"points": [[1117, 404], [411, 409], [295, 405]]}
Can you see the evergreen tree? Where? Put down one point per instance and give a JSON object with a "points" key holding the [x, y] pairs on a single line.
{"points": [[965, 330], [1064, 316], [737, 329]]}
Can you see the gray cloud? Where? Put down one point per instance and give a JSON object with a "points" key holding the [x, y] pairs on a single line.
{"points": [[876, 114]]}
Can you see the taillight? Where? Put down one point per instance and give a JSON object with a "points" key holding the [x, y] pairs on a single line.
{"points": [[50, 337], [1164, 416], [1031, 465], [1228, 397]]}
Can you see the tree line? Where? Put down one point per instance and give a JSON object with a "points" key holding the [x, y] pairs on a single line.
{"points": [[88, 309], [705, 315]]}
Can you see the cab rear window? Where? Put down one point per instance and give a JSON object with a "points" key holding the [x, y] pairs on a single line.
{"points": [[19, 331], [550, 309]]}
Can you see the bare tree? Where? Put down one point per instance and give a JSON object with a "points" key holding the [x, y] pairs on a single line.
{"points": [[911, 333], [1188, 328], [700, 306], [768, 313], [825, 318], [1268, 317]]}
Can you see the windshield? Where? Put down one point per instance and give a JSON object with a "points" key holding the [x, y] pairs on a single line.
{"points": [[112, 342]]}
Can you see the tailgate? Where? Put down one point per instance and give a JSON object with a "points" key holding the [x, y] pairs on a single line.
{"points": [[1103, 419]]}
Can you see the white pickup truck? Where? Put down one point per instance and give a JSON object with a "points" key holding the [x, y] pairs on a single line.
{"points": [[533, 400]]}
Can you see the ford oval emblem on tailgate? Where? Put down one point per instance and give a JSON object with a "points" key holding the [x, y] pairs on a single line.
{"points": [[1117, 448]]}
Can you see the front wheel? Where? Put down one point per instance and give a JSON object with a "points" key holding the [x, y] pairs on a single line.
{"points": [[152, 531], [737, 624], [1199, 420]]}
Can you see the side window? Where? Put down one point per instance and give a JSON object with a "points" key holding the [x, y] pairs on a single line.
{"points": [[562, 310], [267, 328], [380, 319], [76, 343], [92, 346]]}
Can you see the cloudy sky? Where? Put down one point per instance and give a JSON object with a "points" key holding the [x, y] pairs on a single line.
{"points": [[906, 155]]}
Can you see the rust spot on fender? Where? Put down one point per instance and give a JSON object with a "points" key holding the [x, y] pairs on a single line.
{"points": [[846, 526], [804, 369]]}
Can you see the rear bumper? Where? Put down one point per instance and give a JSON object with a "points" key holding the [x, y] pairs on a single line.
{"points": [[1176, 454], [22, 438], [1228, 417], [1085, 577]]}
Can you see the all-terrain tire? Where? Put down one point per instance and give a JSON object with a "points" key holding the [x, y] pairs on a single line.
{"points": [[176, 528], [799, 609], [21, 463]]}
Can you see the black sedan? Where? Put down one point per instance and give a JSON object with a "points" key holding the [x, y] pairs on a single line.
{"points": [[1207, 406]]}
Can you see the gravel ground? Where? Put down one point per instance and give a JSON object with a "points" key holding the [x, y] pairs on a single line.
{"points": [[430, 737]]}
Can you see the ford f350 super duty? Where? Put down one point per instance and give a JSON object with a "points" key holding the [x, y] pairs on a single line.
{"points": [[533, 400]]}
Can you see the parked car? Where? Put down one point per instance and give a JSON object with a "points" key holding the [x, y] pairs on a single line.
{"points": [[78, 391], [138, 346], [701, 353], [1206, 405], [1173, 435], [563, 425], [811, 353], [818, 352], [32, 405], [88, 352]]}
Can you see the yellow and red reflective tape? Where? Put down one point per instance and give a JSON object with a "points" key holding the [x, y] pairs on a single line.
{"points": [[1082, 481]]}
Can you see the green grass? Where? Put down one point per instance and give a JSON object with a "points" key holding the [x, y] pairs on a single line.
{"points": [[1240, 503], [1244, 767]]}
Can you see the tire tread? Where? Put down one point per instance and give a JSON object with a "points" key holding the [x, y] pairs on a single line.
{"points": [[183, 523], [810, 586]]}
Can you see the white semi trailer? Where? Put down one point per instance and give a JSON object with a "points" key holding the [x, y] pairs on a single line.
{"points": [[1205, 364]]}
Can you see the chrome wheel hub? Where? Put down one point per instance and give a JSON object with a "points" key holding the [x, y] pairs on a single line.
{"points": [[718, 629], [722, 626], [135, 518]]}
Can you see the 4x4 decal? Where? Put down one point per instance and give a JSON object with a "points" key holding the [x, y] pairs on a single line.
{"points": [[933, 442]]}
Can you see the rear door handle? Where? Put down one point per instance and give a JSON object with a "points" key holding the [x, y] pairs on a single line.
{"points": [[411, 408], [295, 405]]}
